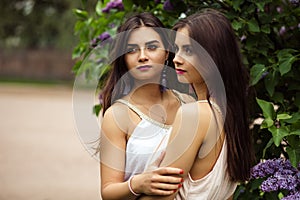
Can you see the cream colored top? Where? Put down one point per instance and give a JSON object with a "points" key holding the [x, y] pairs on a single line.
{"points": [[216, 185]]}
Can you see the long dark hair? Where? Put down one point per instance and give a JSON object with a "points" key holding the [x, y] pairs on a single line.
{"points": [[113, 91], [213, 31]]}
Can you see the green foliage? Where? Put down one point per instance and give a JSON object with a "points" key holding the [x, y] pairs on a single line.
{"points": [[269, 34]]}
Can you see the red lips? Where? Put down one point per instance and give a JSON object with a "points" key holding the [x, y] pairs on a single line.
{"points": [[180, 71]]}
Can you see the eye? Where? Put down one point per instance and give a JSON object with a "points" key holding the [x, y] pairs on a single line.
{"points": [[188, 50], [152, 47], [132, 50]]}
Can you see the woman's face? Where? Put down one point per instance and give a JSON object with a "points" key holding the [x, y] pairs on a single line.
{"points": [[146, 54], [185, 59]]}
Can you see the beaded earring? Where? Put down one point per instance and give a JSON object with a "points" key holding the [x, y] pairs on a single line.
{"points": [[164, 76]]}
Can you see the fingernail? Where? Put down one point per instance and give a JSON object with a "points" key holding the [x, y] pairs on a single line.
{"points": [[181, 180], [181, 171], [174, 190], [179, 186]]}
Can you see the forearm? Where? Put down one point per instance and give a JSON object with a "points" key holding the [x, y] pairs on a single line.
{"points": [[118, 191]]}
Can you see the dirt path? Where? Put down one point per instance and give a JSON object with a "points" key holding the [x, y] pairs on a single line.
{"points": [[41, 156]]}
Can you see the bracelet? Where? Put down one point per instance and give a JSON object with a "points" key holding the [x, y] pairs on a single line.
{"points": [[130, 188]]}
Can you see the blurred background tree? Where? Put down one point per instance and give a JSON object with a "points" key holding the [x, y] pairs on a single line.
{"points": [[36, 40], [37, 23]]}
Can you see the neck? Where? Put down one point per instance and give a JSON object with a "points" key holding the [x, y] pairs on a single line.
{"points": [[147, 93], [201, 90]]}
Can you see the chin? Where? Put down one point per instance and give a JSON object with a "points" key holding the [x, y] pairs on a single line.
{"points": [[182, 79]]}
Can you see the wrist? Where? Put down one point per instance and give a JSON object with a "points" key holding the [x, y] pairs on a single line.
{"points": [[132, 187]]}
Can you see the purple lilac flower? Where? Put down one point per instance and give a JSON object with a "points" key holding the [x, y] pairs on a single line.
{"points": [[279, 9], [101, 98], [281, 175], [168, 6], [105, 36], [157, 1], [282, 30], [288, 182], [294, 2], [113, 4], [244, 37], [293, 196], [266, 168], [269, 185], [264, 75]]}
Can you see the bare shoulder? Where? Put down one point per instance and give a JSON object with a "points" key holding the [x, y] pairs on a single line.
{"points": [[192, 109], [115, 110], [116, 117], [185, 98]]}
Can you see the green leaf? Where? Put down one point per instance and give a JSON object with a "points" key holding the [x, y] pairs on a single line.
{"points": [[236, 5], [267, 108], [267, 123], [283, 116], [256, 73], [271, 141], [128, 4], [80, 13], [96, 109], [271, 80], [285, 60], [266, 29], [236, 25], [285, 65], [99, 8], [253, 26], [297, 132], [278, 97], [294, 156], [76, 67], [294, 118], [260, 5], [278, 134]]}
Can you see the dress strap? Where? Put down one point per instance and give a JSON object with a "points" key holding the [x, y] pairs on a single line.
{"points": [[180, 96], [132, 107], [141, 114]]}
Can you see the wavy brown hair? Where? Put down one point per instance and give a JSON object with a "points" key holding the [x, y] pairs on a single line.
{"points": [[213, 31], [115, 89]]}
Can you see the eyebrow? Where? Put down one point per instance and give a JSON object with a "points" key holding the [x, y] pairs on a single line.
{"points": [[147, 43], [186, 45]]}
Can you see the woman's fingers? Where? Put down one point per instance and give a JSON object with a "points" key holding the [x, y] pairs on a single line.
{"points": [[166, 179], [168, 171]]}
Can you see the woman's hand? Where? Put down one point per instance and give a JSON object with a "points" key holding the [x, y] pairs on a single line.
{"points": [[161, 181]]}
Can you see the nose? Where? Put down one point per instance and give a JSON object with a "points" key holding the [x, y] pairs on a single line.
{"points": [[142, 56], [177, 59]]}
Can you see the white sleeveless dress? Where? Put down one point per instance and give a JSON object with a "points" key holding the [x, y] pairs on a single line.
{"points": [[146, 143]]}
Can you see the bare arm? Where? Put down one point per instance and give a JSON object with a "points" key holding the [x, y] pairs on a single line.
{"points": [[186, 138], [112, 156]]}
